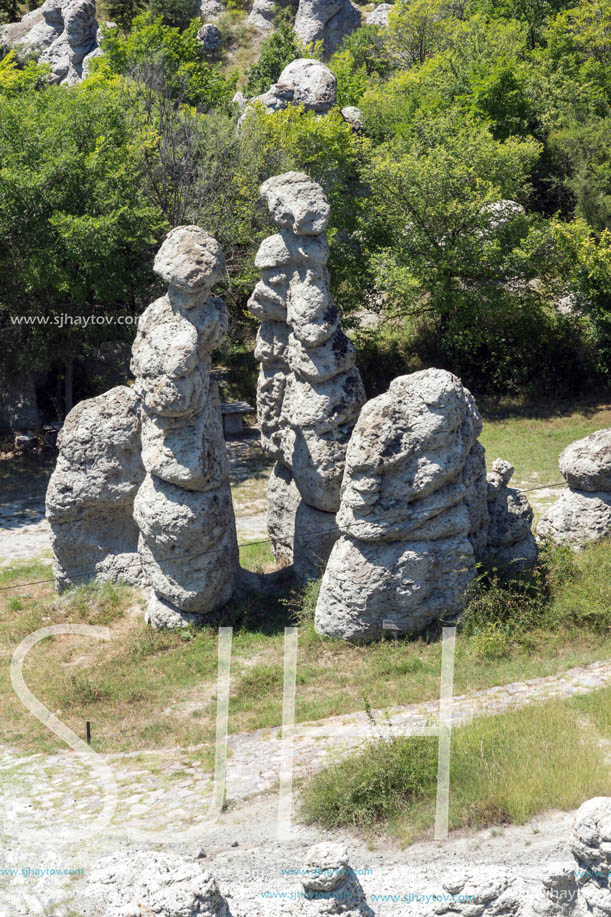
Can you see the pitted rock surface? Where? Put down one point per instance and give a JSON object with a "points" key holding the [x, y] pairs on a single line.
{"points": [[406, 555], [90, 497], [188, 543], [309, 391], [511, 547], [582, 515], [329, 21]]}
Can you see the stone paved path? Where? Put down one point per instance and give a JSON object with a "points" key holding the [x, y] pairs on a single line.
{"points": [[43, 798], [156, 789]]}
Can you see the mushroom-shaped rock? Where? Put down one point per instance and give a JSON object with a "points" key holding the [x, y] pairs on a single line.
{"points": [[586, 464], [297, 203], [305, 82], [190, 259], [210, 38]]}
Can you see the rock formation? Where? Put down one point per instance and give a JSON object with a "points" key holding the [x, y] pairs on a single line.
{"points": [[309, 391], [583, 513], [92, 489], [410, 511], [211, 10], [150, 882], [262, 15], [183, 508], [329, 885], [590, 845], [302, 82], [511, 547], [328, 21], [210, 38], [379, 16], [66, 34]]}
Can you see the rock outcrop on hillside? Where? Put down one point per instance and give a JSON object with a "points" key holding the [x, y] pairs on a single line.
{"points": [[183, 508], [65, 34], [91, 492], [305, 82], [326, 21], [582, 515], [309, 391], [409, 513]]}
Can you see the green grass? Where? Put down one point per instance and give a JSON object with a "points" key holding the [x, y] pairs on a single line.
{"points": [[532, 437], [503, 769], [145, 688]]}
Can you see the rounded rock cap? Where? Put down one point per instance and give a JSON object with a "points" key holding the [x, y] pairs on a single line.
{"points": [[297, 203], [190, 259]]}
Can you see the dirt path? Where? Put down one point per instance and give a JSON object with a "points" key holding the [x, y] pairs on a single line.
{"points": [[43, 797], [25, 533]]}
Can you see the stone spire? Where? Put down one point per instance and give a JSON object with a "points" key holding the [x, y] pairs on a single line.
{"points": [[188, 542], [309, 392]]}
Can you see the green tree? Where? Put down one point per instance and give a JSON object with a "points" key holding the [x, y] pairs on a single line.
{"points": [[77, 233]]}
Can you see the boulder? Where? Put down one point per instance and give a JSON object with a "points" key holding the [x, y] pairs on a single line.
{"points": [[329, 885], [353, 116], [90, 497], [211, 10], [262, 15], [577, 519], [379, 16], [582, 515], [405, 554], [74, 43], [511, 547], [305, 82], [326, 21], [586, 464], [590, 844]]}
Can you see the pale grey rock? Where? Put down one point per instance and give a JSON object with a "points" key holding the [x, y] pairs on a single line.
{"points": [[296, 202], [211, 10], [501, 213], [590, 844], [262, 15], [353, 116], [328, 21], [305, 82], [188, 544], [405, 554], [586, 463], [329, 885], [577, 519], [300, 534], [210, 38], [582, 515], [309, 392], [91, 492], [183, 509], [379, 16], [145, 882], [491, 891], [191, 260], [476, 497], [65, 55], [511, 547]]}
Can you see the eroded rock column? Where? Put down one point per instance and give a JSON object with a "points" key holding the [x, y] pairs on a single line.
{"points": [[183, 509], [90, 498], [410, 511], [582, 515], [309, 392]]}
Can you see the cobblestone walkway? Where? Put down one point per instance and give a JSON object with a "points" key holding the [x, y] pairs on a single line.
{"points": [[161, 789]]}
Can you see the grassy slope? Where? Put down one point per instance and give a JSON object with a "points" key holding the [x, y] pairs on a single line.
{"points": [[146, 688]]}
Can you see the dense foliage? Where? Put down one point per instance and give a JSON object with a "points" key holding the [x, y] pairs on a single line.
{"points": [[465, 104]]}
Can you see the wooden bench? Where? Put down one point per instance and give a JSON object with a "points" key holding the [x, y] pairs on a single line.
{"points": [[233, 416]]}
